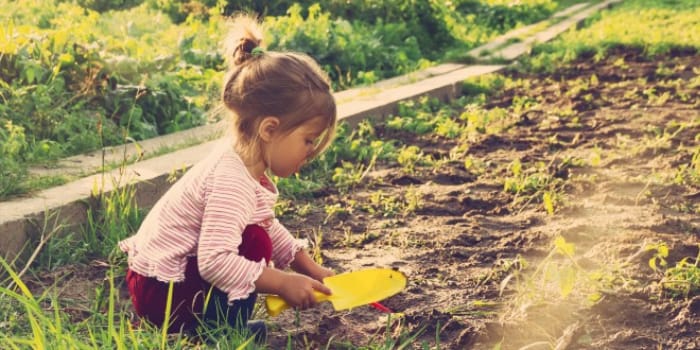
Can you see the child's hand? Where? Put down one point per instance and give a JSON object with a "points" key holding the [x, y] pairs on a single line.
{"points": [[321, 272], [298, 290]]}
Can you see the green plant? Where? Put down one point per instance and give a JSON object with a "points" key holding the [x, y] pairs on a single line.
{"points": [[427, 115], [346, 50], [349, 175], [537, 183], [480, 121], [316, 239], [557, 278], [40, 321], [387, 205], [689, 173], [115, 217], [106, 5], [409, 157], [334, 210], [413, 199], [683, 279], [12, 169]]}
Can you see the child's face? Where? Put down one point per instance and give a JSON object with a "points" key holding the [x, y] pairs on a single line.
{"points": [[287, 153]]}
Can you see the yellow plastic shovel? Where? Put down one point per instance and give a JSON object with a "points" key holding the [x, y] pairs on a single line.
{"points": [[351, 289]]}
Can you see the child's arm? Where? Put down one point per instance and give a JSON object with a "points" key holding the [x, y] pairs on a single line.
{"points": [[287, 251], [303, 263], [297, 290]]}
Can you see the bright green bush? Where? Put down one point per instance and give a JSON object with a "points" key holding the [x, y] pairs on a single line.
{"points": [[12, 144], [75, 79], [349, 52], [73, 84], [106, 5], [501, 15]]}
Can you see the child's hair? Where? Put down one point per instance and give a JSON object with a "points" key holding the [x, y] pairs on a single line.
{"points": [[290, 86]]}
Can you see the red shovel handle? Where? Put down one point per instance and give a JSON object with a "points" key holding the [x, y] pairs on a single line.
{"points": [[381, 307]]}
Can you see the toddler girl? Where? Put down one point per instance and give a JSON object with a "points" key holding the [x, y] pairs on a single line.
{"points": [[214, 234]]}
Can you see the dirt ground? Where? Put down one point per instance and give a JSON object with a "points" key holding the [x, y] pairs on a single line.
{"points": [[459, 246], [469, 248]]}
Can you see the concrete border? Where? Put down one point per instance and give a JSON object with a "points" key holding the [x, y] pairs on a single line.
{"points": [[24, 220]]}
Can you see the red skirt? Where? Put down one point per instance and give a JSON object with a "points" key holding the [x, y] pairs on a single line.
{"points": [[149, 296]]}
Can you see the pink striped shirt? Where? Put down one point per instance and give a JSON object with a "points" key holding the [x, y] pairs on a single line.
{"points": [[204, 215]]}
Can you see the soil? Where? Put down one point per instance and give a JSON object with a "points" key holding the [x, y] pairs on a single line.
{"points": [[470, 249], [455, 247]]}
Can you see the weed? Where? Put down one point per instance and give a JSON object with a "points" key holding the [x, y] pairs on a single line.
{"points": [[350, 175], [333, 210], [559, 277], [409, 157], [282, 207], [413, 199], [689, 173], [476, 308], [660, 255], [316, 239], [388, 206], [683, 279], [480, 121], [536, 183], [384, 205], [41, 322], [475, 165], [118, 216]]}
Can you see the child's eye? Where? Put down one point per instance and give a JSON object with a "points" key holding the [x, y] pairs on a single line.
{"points": [[310, 142]]}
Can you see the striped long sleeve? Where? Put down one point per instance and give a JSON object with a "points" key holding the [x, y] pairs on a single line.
{"points": [[204, 214], [228, 206]]}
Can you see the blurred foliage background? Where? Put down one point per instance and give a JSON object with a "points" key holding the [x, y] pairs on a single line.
{"points": [[78, 75]]}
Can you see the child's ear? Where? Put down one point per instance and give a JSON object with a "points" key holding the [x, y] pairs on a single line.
{"points": [[267, 128]]}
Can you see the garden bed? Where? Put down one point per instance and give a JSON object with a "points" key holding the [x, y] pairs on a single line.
{"points": [[603, 156]]}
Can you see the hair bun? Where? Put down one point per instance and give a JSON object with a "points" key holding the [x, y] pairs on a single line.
{"points": [[244, 37], [244, 50]]}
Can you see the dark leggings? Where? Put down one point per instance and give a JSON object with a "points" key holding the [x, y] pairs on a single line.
{"points": [[149, 296]]}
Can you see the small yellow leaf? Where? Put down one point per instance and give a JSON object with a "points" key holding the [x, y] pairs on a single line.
{"points": [[652, 263], [548, 203], [563, 247], [567, 281]]}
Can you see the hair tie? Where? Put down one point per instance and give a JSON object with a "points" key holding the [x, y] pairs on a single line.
{"points": [[257, 51]]}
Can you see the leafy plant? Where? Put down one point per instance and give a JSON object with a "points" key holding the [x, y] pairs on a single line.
{"points": [[689, 173], [683, 279], [12, 169], [428, 115], [409, 157], [556, 278], [537, 183]]}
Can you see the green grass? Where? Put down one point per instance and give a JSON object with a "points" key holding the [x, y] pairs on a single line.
{"points": [[29, 321], [655, 27], [41, 322]]}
